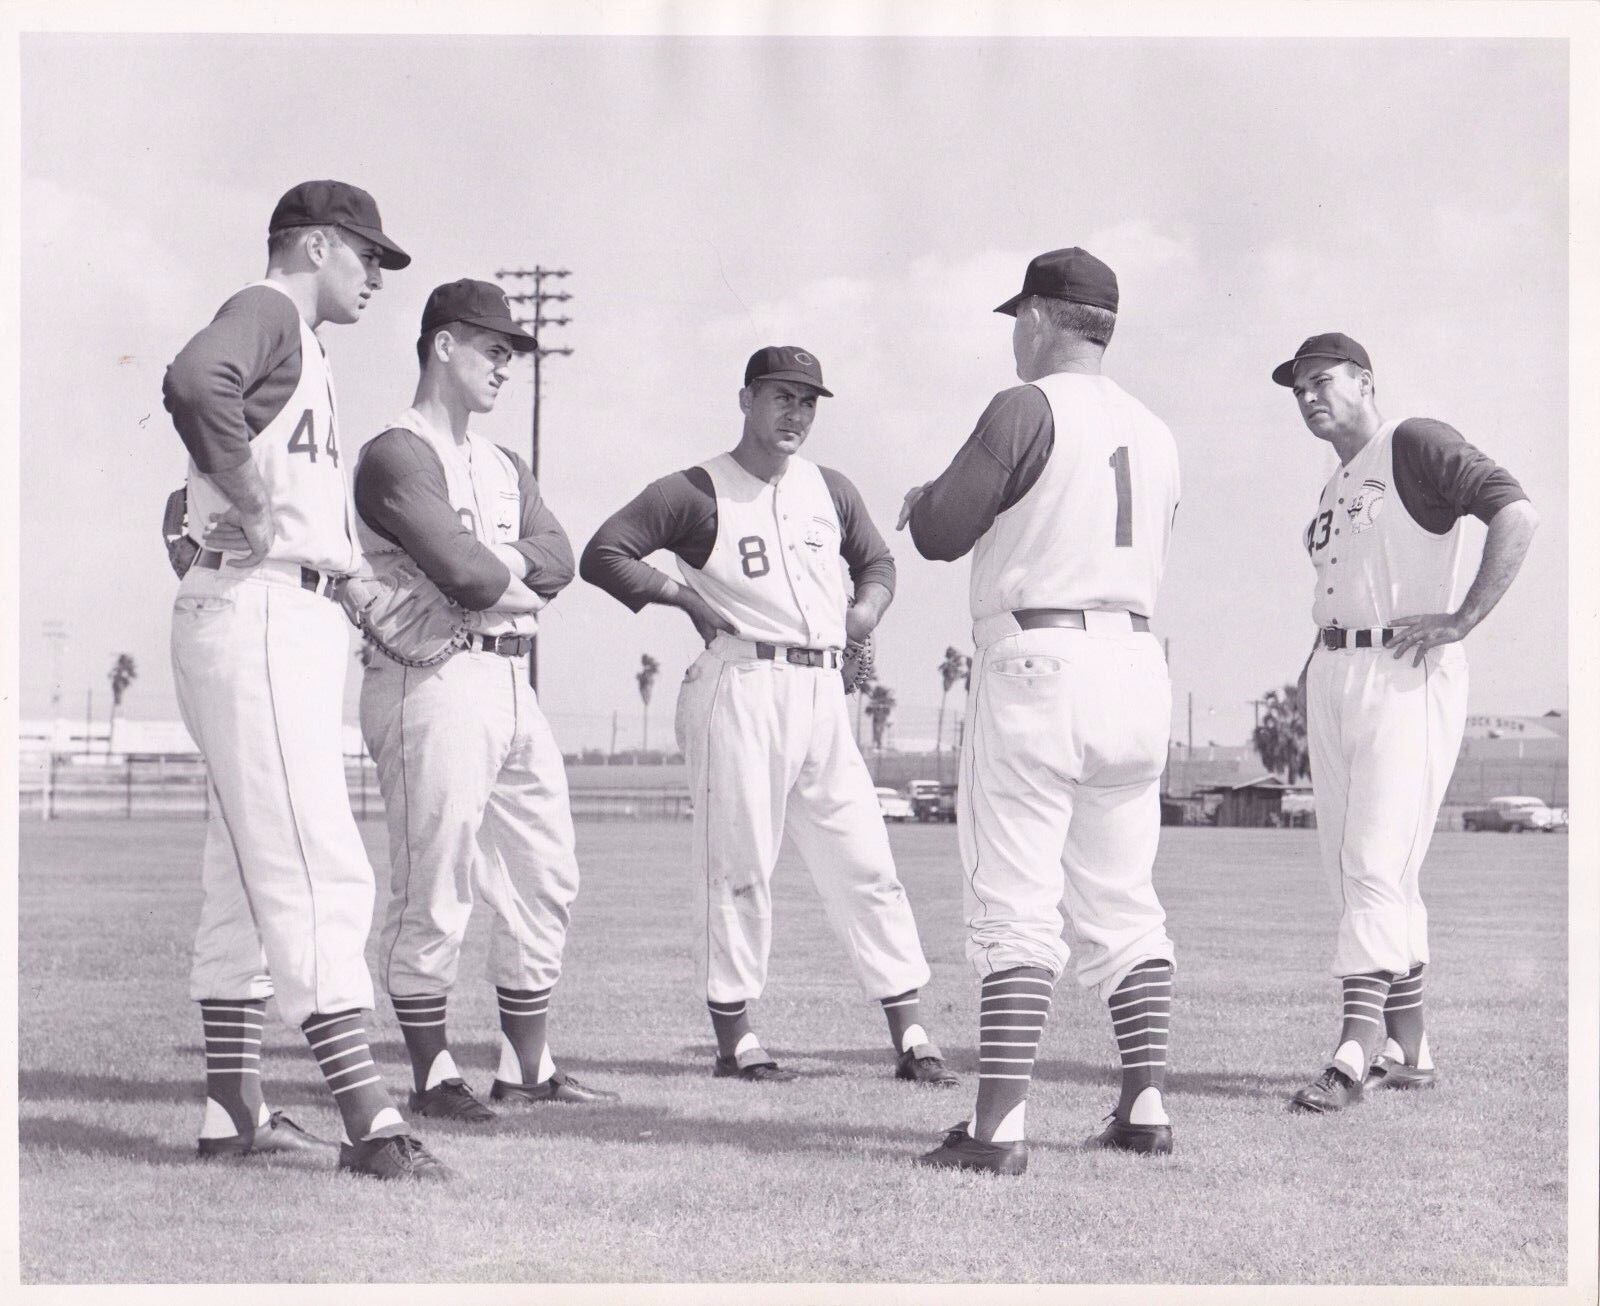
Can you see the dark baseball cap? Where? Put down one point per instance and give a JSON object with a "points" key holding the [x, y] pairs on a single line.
{"points": [[1331, 344], [477, 303], [337, 204], [786, 363], [1074, 275]]}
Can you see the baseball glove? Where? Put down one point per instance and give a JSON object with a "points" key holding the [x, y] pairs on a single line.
{"points": [[181, 550], [406, 625], [857, 665]]}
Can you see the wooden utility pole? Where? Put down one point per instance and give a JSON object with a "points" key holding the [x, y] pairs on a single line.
{"points": [[537, 298]]}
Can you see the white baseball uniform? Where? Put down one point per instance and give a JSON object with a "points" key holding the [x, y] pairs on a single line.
{"points": [[1384, 734], [1067, 726], [474, 787], [259, 657], [762, 719]]}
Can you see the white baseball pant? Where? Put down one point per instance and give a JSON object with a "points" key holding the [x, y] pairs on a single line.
{"points": [[475, 797], [259, 665], [1384, 737], [1059, 799], [770, 752]]}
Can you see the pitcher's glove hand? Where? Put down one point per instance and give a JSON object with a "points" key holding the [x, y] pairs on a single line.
{"points": [[857, 665], [181, 550], [405, 627]]}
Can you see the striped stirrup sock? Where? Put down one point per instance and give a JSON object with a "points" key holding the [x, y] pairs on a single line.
{"points": [[422, 1025], [1362, 1024], [904, 1014], [731, 1022], [1141, 1015], [339, 1042], [523, 1016], [1013, 1006], [1402, 1013], [232, 1031]]}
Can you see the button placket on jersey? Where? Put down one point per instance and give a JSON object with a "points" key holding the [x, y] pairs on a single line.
{"points": [[780, 519]]}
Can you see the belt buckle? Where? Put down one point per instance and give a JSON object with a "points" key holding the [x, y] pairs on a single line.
{"points": [[1331, 637]]}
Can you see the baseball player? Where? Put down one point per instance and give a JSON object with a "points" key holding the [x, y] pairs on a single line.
{"points": [[1386, 688], [474, 791], [1064, 494], [259, 654], [759, 533]]}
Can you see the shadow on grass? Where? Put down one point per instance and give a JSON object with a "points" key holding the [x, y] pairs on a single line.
{"points": [[1186, 1083], [691, 1062], [69, 1135], [655, 1126], [288, 1087]]}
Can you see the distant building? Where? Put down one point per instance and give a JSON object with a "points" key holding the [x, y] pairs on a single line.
{"points": [[1255, 803], [1490, 726]]}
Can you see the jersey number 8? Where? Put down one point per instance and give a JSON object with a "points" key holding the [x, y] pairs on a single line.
{"points": [[753, 556]]}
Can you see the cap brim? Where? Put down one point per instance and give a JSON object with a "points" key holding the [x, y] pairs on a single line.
{"points": [[799, 377], [1009, 308], [1283, 373], [512, 330], [394, 258]]}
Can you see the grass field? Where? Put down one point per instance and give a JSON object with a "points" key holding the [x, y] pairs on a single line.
{"points": [[692, 1179]]}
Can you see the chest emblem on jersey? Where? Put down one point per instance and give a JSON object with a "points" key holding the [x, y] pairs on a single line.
{"points": [[819, 533], [1366, 506], [507, 504]]}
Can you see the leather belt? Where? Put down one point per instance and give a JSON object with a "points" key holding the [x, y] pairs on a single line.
{"points": [[1337, 637], [507, 646], [318, 582], [801, 657], [1070, 618]]}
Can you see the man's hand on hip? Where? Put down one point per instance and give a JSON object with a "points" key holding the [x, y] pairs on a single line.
{"points": [[1430, 630]]}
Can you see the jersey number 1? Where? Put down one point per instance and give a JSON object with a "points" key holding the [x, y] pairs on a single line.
{"points": [[1119, 466], [304, 439]]}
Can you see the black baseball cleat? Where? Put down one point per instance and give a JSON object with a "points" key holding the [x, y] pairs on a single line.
{"points": [[560, 1087], [1332, 1090], [1146, 1140], [763, 1071], [961, 1151], [925, 1065], [1386, 1072], [451, 1099], [279, 1134], [399, 1156]]}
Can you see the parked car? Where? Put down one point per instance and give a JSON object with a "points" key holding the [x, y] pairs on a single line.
{"points": [[932, 801], [924, 796], [1514, 813], [894, 804]]}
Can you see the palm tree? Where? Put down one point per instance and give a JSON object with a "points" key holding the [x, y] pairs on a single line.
{"points": [[862, 694], [123, 674], [1280, 738], [952, 669], [880, 707], [648, 668]]}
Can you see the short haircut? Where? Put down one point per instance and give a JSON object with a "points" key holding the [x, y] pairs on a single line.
{"points": [[460, 330], [283, 241], [1083, 320]]}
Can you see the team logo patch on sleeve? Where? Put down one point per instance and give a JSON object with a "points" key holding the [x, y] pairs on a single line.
{"points": [[1365, 508]]}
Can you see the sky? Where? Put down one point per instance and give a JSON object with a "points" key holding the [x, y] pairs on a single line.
{"points": [[870, 199]]}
